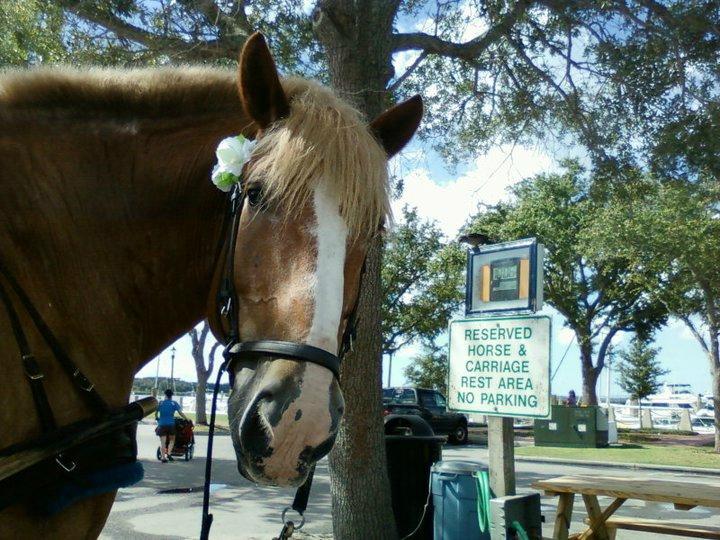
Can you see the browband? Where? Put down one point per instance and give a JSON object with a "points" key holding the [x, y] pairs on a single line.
{"points": [[285, 349]]}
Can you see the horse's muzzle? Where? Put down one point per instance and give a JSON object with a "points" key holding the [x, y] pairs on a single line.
{"points": [[288, 425]]}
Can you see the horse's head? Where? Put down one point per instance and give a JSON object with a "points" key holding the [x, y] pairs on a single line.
{"points": [[316, 192]]}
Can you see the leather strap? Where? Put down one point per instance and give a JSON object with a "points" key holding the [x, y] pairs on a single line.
{"points": [[302, 494], [207, 517], [78, 377], [285, 349], [30, 366]]}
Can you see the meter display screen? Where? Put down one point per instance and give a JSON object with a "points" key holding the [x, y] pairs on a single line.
{"points": [[505, 279]]}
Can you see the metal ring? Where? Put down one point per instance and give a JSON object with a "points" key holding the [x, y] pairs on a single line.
{"points": [[302, 518]]}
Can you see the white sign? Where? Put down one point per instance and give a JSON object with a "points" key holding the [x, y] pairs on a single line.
{"points": [[500, 366]]}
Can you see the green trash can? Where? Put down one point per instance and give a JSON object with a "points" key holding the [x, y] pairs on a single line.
{"points": [[412, 447]]}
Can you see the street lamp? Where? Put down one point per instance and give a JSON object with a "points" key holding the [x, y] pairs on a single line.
{"points": [[172, 367], [157, 375]]}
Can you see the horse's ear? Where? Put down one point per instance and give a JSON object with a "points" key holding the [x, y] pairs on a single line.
{"points": [[395, 127], [260, 90]]}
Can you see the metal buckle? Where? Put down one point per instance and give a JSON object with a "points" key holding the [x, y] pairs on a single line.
{"points": [[67, 467], [82, 381], [32, 369]]}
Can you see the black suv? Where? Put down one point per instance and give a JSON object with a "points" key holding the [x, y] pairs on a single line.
{"points": [[431, 406]]}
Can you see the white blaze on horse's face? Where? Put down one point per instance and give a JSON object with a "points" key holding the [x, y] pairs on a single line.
{"points": [[331, 236]]}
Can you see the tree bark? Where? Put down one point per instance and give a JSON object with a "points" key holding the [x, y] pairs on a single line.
{"points": [[714, 355], [711, 347], [716, 403], [361, 504], [198, 340], [589, 372], [356, 39], [200, 405]]}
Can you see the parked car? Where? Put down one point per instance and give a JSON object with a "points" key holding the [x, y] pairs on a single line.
{"points": [[431, 406]]}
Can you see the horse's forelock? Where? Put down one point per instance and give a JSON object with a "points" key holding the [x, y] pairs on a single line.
{"points": [[324, 139]]}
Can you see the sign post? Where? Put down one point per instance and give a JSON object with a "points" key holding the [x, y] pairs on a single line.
{"points": [[500, 355]]}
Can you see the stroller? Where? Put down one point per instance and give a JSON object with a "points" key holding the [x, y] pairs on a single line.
{"points": [[184, 440]]}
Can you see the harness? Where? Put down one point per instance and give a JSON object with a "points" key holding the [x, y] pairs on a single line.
{"points": [[236, 349], [65, 464]]}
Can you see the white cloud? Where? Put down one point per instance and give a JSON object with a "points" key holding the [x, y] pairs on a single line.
{"points": [[477, 25], [565, 335], [452, 202], [403, 60], [681, 329]]}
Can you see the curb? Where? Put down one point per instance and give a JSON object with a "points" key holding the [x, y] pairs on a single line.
{"points": [[619, 465]]}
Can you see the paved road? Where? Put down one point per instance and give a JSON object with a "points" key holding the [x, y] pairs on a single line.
{"points": [[245, 511]]}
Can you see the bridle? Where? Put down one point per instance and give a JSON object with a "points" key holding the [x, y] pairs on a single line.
{"points": [[235, 350], [67, 455]]}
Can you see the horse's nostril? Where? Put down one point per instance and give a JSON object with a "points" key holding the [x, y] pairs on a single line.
{"points": [[254, 431]]}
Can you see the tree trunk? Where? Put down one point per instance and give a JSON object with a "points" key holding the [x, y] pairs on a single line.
{"points": [[716, 403], [356, 39], [589, 373], [198, 353], [200, 406], [714, 354], [361, 505]]}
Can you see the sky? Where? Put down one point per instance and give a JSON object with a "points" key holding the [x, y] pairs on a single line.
{"points": [[450, 197]]}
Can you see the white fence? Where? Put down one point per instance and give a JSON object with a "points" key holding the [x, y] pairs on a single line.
{"points": [[188, 402]]}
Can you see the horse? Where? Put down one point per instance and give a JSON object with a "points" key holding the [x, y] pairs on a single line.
{"points": [[112, 228]]}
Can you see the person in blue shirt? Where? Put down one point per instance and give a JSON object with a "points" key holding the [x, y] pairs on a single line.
{"points": [[165, 415]]}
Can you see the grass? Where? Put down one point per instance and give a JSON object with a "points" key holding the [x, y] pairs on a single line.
{"points": [[221, 423], [677, 455]]}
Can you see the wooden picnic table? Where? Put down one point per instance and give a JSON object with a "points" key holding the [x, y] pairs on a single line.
{"points": [[683, 495]]}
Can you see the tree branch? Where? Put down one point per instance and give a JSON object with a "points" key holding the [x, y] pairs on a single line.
{"points": [[211, 358], [229, 25], [172, 46], [600, 363], [470, 49], [409, 71], [572, 101], [696, 333]]}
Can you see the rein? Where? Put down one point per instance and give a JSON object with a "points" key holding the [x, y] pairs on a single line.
{"points": [[71, 462], [235, 349]]}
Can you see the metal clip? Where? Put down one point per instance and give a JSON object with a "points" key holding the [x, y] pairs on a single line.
{"points": [[287, 531], [82, 381], [67, 467], [225, 310], [32, 369]]}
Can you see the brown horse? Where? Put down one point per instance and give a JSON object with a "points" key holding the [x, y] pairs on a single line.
{"points": [[111, 225]]}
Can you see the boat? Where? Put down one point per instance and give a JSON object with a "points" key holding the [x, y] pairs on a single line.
{"points": [[671, 397], [703, 425]]}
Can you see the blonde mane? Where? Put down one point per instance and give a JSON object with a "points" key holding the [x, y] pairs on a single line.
{"points": [[323, 139]]}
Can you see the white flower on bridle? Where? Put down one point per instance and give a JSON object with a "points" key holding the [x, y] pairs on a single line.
{"points": [[232, 154]]}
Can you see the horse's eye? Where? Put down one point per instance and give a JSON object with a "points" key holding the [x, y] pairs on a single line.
{"points": [[254, 196]]}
